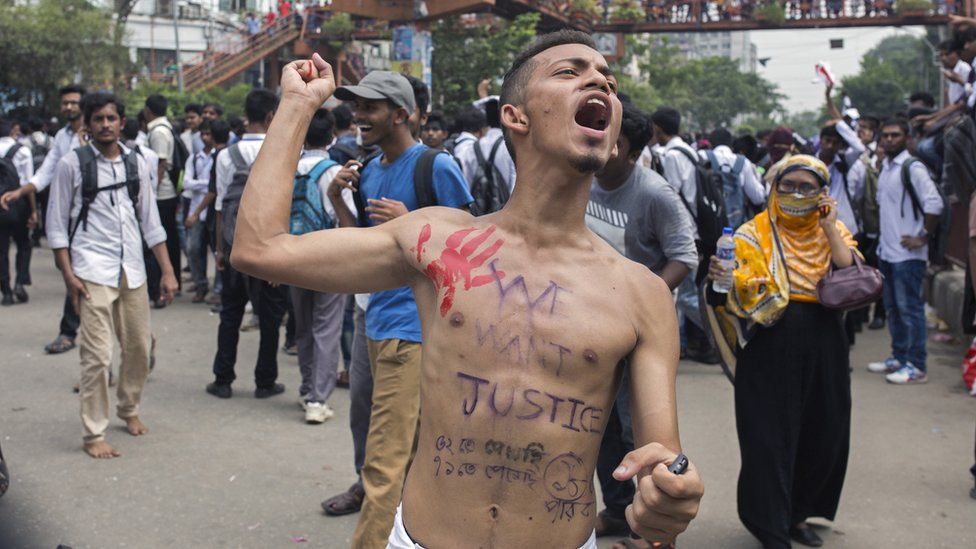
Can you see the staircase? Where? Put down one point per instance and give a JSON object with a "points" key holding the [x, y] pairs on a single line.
{"points": [[229, 58]]}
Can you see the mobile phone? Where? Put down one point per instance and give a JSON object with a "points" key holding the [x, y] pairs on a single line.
{"points": [[679, 465], [824, 211]]}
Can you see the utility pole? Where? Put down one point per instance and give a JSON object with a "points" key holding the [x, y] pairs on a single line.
{"points": [[176, 38]]}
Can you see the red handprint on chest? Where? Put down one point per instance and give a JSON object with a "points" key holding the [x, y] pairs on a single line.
{"points": [[457, 261]]}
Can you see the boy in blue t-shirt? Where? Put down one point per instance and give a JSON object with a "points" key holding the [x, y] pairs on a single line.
{"points": [[384, 104]]}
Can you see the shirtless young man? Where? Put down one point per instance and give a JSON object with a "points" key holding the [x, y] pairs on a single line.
{"points": [[525, 314]]}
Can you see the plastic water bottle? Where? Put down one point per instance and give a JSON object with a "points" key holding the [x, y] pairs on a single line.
{"points": [[725, 251]]}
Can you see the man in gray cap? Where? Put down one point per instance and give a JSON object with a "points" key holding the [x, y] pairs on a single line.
{"points": [[384, 102]]}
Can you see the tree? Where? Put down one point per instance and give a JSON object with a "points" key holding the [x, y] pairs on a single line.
{"points": [[463, 56], [231, 99], [890, 72], [709, 92], [49, 43]]}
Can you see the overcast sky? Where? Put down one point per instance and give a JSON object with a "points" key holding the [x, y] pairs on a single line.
{"points": [[793, 54]]}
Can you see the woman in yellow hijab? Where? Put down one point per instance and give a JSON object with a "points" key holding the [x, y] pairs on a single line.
{"points": [[789, 355]]}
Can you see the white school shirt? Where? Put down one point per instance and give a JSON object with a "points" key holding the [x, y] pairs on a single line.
{"points": [[464, 152], [196, 180], [249, 145], [956, 91], [679, 170], [897, 218], [163, 143], [855, 187], [65, 141], [23, 160], [111, 243], [308, 161]]}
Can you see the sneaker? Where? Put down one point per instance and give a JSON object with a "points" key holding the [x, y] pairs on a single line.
{"points": [[219, 390], [907, 375], [290, 349], [21, 294], [265, 392], [8, 299], [889, 366], [317, 412]]}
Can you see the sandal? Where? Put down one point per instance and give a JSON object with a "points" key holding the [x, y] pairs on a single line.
{"points": [[61, 344], [607, 525], [345, 503]]}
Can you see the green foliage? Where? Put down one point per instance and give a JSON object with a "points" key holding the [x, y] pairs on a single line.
{"points": [[890, 72], [626, 10], [338, 29], [806, 123], [709, 92], [589, 8], [903, 7], [772, 13], [50, 43], [231, 99], [464, 56]]}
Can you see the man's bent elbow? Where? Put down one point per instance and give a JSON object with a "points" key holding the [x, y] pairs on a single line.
{"points": [[245, 260]]}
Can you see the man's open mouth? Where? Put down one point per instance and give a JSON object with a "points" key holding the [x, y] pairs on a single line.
{"points": [[594, 114], [364, 128]]}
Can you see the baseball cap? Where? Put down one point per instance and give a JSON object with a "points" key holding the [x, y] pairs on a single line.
{"points": [[381, 85]]}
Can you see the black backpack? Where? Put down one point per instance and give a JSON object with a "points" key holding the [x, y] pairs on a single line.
{"points": [[488, 188], [708, 211], [232, 197], [423, 184], [938, 240], [90, 189], [177, 164], [10, 181]]}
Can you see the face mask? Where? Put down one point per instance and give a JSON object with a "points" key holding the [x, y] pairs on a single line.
{"points": [[797, 205]]}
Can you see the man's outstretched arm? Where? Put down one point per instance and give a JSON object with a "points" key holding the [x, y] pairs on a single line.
{"points": [[336, 260], [665, 503]]}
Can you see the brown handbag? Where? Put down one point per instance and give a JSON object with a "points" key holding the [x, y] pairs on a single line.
{"points": [[851, 287]]}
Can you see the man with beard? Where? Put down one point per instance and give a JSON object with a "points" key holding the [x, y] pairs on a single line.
{"points": [[102, 207], [68, 138], [526, 315]]}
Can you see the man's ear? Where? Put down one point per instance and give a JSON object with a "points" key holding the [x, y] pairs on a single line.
{"points": [[400, 116], [515, 119]]}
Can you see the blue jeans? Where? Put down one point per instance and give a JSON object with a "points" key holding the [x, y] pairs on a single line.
{"points": [[196, 252], [905, 309]]}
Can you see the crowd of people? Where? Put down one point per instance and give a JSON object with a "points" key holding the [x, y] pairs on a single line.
{"points": [[558, 204]]}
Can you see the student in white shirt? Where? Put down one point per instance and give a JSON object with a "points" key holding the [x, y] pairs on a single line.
{"points": [[162, 140], [903, 252], [750, 195], [99, 253], [18, 229], [68, 138], [196, 180], [318, 315], [473, 125]]}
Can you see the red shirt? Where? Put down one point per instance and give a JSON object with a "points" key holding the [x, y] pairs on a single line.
{"points": [[284, 8]]}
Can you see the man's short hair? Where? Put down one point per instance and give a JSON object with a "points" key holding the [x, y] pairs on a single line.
{"points": [[635, 126], [950, 45], [517, 77], [320, 129], [220, 131], [421, 94], [6, 126], [746, 145], [471, 119], [668, 119], [871, 121], [259, 104], [922, 97], [966, 35], [131, 129], [193, 107], [157, 104], [897, 121], [236, 125], [435, 120], [720, 136], [72, 88], [343, 117], [35, 123], [96, 101], [492, 114], [830, 130], [216, 108]]}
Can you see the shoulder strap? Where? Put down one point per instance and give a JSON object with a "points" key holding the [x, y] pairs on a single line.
{"points": [[909, 189], [479, 154], [688, 154], [12, 151], [320, 168], [712, 160], [423, 178], [237, 158], [739, 165], [494, 150], [89, 187]]}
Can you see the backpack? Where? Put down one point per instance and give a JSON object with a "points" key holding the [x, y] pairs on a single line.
{"points": [[423, 184], [39, 150], [177, 163], [90, 189], [732, 193], [939, 239], [10, 181], [488, 188], [232, 197], [451, 144], [307, 212], [708, 211], [344, 152]]}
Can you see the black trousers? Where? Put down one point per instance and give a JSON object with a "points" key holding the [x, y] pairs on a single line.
{"points": [[20, 234], [70, 321], [269, 304], [167, 218], [793, 417]]}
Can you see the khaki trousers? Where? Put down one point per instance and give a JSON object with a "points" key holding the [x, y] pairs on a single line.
{"points": [[121, 312], [390, 444]]}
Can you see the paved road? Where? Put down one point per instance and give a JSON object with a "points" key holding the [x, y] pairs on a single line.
{"points": [[249, 473]]}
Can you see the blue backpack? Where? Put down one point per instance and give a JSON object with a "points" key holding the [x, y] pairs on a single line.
{"points": [[735, 207], [307, 212]]}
